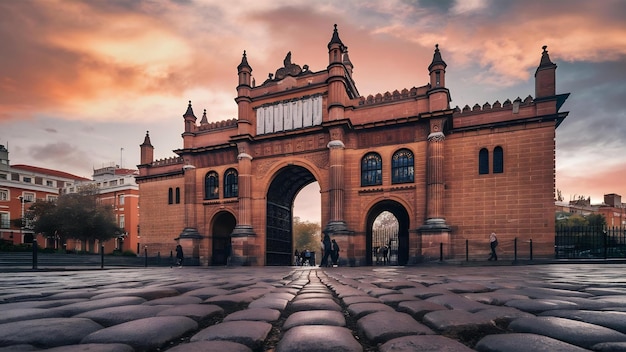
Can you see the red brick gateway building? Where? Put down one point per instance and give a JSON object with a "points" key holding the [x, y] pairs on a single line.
{"points": [[450, 176]]}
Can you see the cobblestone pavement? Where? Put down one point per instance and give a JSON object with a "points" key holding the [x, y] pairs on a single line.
{"points": [[556, 307]]}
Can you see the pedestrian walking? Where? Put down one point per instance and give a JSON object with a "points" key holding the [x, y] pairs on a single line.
{"points": [[334, 254], [179, 255], [493, 243], [326, 247]]}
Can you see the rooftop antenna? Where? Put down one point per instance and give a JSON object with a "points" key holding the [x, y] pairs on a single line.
{"points": [[121, 160]]}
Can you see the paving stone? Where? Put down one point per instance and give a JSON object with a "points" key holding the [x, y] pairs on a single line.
{"points": [[207, 292], [522, 342], [611, 320], [362, 298], [462, 287], [174, 300], [610, 347], [94, 347], [232, 300], [502, 314], [377, 329], [396, 298], [377, 291], [494, 298], [19, 348], [359, 310], [419, 308], [118, 315], [457, 302], [10, 315], [80, 307], [615, 300], [282, 295], [314, 304], [148, 294], [211, 346], [424, 292], [571, 331], [249, 333], [144, 334], [50, 332], [272, 303], [399, 284], [318, 338], [454, 321], [606, 291], [315, 317], [543, 292], [345, 291], [39, 304], [423, 343], [301, 296], [254, 314], [540, 305], [197, 312]]}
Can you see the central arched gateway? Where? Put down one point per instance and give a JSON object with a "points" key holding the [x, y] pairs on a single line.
{"points": [[398, 244], [280, 197]]}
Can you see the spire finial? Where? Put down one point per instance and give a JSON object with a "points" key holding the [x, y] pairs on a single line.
{"points": [[437, 47], [335, 27], [544, 48]]}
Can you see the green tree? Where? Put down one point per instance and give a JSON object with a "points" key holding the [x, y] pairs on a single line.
{"points": [[77, 215], [596, 220], [306, 235]]}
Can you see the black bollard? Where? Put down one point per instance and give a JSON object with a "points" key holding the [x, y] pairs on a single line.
{"points": [[466, 250], [34, 253], [145, 253], [515, 248], [101, 256], [531, 249]]}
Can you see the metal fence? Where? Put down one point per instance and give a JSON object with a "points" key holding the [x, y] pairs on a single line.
{"points": [[581, 242]]}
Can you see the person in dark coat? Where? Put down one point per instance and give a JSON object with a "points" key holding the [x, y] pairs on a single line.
{"points": [[327, 247], [334, 254], [179, 255]]}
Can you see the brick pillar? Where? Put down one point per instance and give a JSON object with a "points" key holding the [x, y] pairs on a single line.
{"points": [[243, 236], [434, 176], [337, 188]]}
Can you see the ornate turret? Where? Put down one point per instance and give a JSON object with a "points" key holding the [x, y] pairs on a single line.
{"points": [[335, 48], [204, 120], [437, 70], [438, 94], [244, 71], [190, 119], [545, 76], [346, 61], [147, 150]]}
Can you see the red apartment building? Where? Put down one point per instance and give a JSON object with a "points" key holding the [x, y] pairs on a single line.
{"points": [[20, 186]]}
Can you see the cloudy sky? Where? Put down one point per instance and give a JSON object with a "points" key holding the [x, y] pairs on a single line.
{"points": [[82, 81]]}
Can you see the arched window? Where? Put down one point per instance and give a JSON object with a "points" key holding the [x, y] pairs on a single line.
{"points": [[483, 161], [498, 160], [402, 166], [231, 183], [177, 195], [371, 170], [170, 196], [211, 186]]}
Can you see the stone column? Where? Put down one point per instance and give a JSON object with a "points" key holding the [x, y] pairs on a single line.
{"points": [[190, 238], [243, 236], [336, 188], [434, 178]]}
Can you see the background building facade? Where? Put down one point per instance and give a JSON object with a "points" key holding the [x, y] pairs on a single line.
{"points": [[450, 176]]}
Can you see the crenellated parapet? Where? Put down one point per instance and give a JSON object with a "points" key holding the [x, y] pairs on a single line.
{"points": [[218, 125], [396, 95], [518, 102], [168, 161]]}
